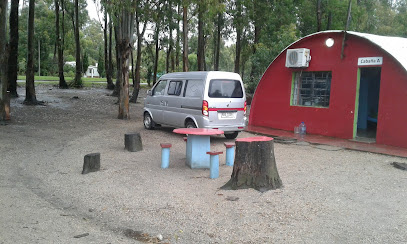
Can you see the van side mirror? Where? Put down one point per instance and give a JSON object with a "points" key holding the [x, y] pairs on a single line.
{"points": [[149, 93]]}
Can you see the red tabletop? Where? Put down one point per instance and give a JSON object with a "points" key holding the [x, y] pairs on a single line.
{"points": [[198, 131], [256, 138]]}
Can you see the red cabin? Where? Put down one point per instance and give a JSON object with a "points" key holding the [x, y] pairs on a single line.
{"points": [[341, 85]]}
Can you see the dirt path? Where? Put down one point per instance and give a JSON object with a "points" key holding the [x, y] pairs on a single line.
{"points": [[328, 196]]}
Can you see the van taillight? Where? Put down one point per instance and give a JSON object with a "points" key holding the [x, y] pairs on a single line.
{"points": [[205, 109], [245, 107]]}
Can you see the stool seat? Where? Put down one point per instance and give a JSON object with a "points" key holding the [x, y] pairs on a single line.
{"points": [[165, 145], [229, 144], [214, 153]]}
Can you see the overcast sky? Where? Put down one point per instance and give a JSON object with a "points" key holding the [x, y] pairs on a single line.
{"points": [[92, 10]]}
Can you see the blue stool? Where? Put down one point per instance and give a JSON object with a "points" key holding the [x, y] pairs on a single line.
{"points": [[214, 169], [230, 153], [165, 155]]}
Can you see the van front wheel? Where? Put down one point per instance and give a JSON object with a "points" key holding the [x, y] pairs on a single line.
{"points": [[232, 135], [148, 122]]}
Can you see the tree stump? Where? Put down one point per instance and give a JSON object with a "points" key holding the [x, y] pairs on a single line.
{"points": [[91, 163], [132, 142], [255, 165]]}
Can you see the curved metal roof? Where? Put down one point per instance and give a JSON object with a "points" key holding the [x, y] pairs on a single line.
{"points": [[395, 46]]}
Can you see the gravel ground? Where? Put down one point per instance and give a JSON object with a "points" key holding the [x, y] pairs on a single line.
{"points": [[330, 195]]}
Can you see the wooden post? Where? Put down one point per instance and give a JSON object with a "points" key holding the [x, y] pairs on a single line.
{"points": [[255, 165], [132, 142], [91, 163]]}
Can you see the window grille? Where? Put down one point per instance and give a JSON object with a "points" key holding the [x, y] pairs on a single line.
{"points": [[312, 89]]}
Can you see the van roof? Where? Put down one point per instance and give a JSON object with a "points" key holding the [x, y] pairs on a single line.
{"points": [[198, 75]]}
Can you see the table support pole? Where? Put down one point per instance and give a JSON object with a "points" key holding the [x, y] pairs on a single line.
{"points": [[197, 146]]}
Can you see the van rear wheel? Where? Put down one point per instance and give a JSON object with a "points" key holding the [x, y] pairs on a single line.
{"points": [[148, 122], [232, 135], [190, 124]]}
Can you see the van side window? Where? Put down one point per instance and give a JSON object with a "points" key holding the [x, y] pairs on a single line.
{"points": [[194, 88], [159, 89], [225, 89], [174, 88]]}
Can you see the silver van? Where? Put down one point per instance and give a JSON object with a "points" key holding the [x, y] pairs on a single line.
{"points": [[202, 99]]}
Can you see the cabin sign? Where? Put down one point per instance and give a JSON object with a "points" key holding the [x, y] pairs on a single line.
{"points": [[370, 61]]}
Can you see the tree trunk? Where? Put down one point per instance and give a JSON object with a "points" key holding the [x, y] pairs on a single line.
{"points": [[125, 34], [136, 82], [30, 97], [201, 43], [157, 52], [218, 40], [254, 71], [13, 49], [254, 166], [328, 25], [238, 50], [177, 43], [116, 91], [3, 61], [169, 66], [319, 16], [60, 50], [78, 69], [140, 36], [185, 39], [108, 52]]}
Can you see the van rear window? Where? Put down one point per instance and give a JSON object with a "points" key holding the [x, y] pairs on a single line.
{"points": [[225, 89]]}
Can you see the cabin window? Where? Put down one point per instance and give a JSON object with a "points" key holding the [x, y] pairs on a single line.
{"points": [[312, 89]]}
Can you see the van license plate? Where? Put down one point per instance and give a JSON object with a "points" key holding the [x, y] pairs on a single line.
{"points": [[227, 115]]}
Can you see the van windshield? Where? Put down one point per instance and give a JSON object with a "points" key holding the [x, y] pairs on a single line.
{"points": [[225, 89]]}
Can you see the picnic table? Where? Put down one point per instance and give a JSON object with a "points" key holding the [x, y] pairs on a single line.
{"points": [[198, 144]]}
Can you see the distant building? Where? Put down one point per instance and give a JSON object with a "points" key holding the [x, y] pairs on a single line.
{"points": [[71, 63], [352, 87], [92, 71]]}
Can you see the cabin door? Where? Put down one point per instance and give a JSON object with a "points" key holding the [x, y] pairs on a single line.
{"points": [[368, 104]]}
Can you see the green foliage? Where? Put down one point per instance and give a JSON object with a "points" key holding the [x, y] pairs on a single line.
{"points": [[279, 24]]}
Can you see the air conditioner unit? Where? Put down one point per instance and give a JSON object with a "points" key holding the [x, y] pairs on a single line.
{"points": [[297, 58]]}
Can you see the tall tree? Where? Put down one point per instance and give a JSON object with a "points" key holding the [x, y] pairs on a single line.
{"points": [[13, 49], [142, 15], [30, 97], [107, 44], [202, 7], [157, 50], [3, 60], [238, 22], [170, 43], [158, 20], [217, 40], [124, 22], [185, 64], [319, 16], [78, 68], [178, 38], [59, 47]]}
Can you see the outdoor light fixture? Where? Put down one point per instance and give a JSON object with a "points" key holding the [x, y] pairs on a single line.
{"points": [[329, 42]]}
